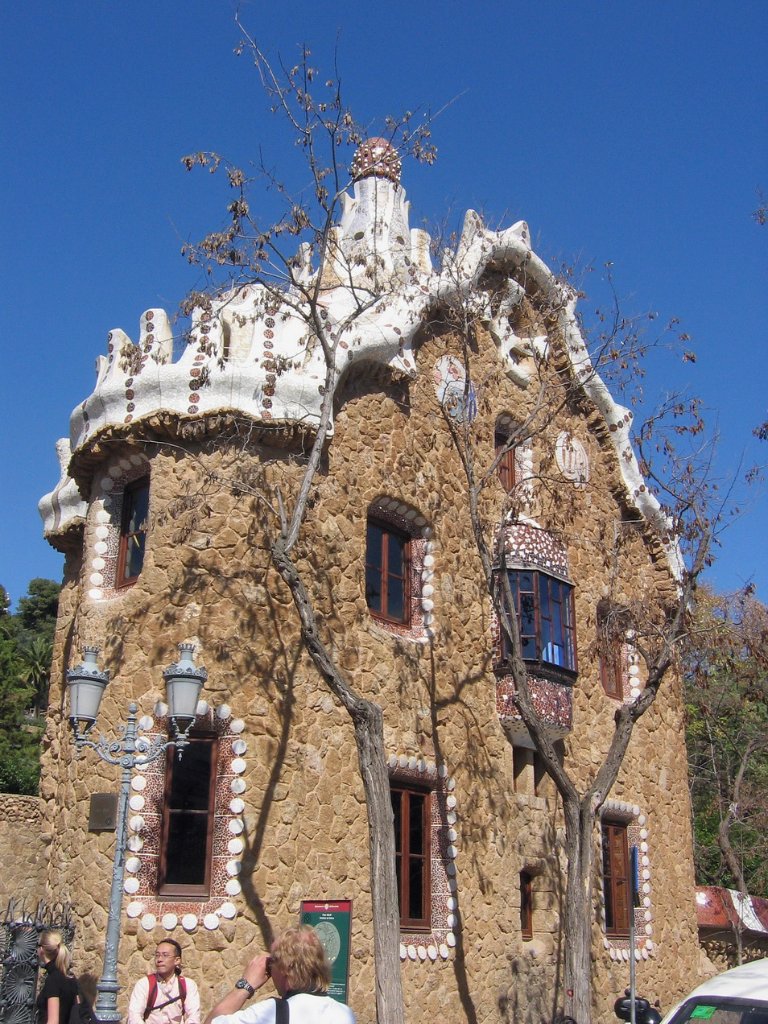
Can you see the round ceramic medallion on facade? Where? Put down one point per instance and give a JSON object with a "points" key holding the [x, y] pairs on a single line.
{"points": [[169, 921], [134, 909], [189, 922], [148, 922]]}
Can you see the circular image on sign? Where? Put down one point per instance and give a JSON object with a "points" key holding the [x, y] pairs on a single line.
{"points": [[329, 936]]}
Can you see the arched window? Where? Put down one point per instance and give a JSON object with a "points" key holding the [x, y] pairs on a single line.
{"points": [[133, 531], [398, 588], [507, 468], [387, 572]]}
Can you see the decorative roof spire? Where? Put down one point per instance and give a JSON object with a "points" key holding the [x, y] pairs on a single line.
{"points": [[377, 158]]}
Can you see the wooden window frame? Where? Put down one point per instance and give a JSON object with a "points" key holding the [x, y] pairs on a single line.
{"points": [[179, 890], [545, 594], [612, 671], [127, 536], [526, 905], [507, 467], [617, 888], [387, 530], [404, 857]]}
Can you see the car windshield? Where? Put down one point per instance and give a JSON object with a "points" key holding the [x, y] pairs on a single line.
{"points": [[721, 1010]]}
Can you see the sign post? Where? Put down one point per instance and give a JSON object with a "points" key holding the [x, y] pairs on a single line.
{"points": [[634, 879]]}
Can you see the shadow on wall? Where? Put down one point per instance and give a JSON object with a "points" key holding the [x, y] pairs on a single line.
{"points": [[532, 992]]}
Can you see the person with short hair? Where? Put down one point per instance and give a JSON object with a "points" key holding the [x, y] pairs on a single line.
{"points": [[160, 998], [59, 990], [301, 974]]}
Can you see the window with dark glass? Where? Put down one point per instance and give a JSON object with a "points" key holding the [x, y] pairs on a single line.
{"points": [[411, 808], [387, 590], [616, 885], [188, 812], [545, 617], [506, 466], [526, 905], [133, 531]]}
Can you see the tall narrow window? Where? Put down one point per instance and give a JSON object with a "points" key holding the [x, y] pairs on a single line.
{"points": [[506, 466], [133, 531], [616, 887], [411, 808], [526, 905], [611, 676], [611, 630], [387, 589], [545, 617], [188, 810]]}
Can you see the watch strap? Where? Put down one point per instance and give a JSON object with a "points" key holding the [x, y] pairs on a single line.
{"points": [[243, 983]]}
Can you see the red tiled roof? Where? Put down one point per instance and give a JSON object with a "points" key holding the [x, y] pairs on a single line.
{"points": [[715, 908]]}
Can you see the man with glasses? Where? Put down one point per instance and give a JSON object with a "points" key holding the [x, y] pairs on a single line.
{"points": [[165, 997]]}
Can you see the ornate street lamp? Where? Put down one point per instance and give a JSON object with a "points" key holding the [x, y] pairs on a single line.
{"points": [[86, 684]]}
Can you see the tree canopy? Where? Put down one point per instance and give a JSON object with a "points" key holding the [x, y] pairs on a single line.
{"points": [[26, 641], [726, 663]]}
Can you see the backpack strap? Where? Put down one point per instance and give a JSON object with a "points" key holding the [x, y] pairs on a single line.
{"points": [[151, 995], [282, 1011]]}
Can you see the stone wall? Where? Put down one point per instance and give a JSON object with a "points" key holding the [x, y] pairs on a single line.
{"points": [[22, 850], [207, 579]]}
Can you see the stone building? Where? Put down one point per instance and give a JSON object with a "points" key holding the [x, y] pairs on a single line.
{"points": [[160, 513]]}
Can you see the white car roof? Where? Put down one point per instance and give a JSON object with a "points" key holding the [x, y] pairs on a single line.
{"points": [[748, 981]]}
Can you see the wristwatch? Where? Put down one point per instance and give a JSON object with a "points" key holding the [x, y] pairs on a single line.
{"points": [[242, 983]]}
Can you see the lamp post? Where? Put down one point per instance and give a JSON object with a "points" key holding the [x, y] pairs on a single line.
{"points": [[86, 684]]}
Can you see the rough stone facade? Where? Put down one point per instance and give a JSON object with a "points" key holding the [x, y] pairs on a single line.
{"points": [[290, 813], [22, 849]]}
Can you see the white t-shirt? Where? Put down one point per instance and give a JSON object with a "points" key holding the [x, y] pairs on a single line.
{"points": [[170, 1014], [304, 1009]]}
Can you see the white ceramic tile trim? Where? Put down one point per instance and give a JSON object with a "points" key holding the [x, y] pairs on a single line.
{"points": [[152, 911], [437, 945], [637, 835]]}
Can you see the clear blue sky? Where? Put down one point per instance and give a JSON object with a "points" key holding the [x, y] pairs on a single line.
{"points": [[628, 132]]}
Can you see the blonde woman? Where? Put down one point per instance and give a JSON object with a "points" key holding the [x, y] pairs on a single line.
{"points": [[300, 972], [59, 987]]}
